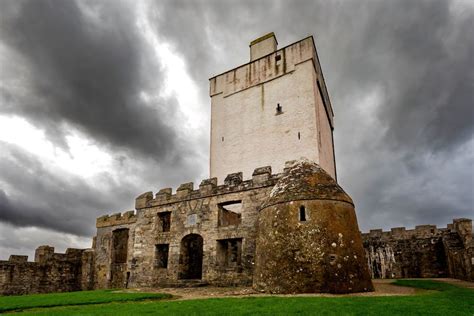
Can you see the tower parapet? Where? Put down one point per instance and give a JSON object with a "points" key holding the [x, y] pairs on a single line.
{"points": [[126, 218], [262, 177]]}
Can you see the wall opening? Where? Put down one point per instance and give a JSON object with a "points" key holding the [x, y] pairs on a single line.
{"points": [[127, 280], [119, 251], [161, 256], [164, 221], [279, 109], [229, 213], [190, 257], [119, 245], [302, 214], [299, 135], [229, 253]]}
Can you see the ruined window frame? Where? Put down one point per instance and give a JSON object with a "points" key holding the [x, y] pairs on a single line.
{"points": [[164, 226], [236, 217], [161, 256], [225, 253]]}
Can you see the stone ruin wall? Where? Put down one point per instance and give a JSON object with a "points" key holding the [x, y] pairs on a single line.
{"points": [[125, 251], [50, 272], [158, 230], [423, 252]]}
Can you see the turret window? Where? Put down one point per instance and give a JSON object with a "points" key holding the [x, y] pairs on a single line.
{"points": [[302, 214]]}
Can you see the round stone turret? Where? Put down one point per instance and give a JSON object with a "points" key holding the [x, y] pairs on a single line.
{"points": [[308, 237]]}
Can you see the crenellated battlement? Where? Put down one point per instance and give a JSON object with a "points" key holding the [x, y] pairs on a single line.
{"points": [[49, 272], [420, 231], [261, 177], [45, 254], [118, 218]]}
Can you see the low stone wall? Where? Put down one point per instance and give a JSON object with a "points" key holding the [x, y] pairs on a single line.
{"points": [[50, 272], [423, 252]]}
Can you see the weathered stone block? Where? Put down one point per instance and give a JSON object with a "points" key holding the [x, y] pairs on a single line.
{"points": [[184, 190], [142, 200], [233, 179]]}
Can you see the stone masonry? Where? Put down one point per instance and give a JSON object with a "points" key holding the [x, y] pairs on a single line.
{"points": [[209, 236], [50, 272], [423, 252]]}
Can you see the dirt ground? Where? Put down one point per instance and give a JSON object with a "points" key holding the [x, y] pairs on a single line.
{"points": [[382, 288]]}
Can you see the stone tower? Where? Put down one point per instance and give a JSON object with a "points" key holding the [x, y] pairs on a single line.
{"points": [[308, 237], [271, 110]]}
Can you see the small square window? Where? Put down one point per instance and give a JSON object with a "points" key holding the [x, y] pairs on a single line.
{"points": [[229, 253], [229, 213]]}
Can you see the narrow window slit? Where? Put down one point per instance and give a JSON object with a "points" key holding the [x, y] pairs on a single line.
{"points": [[279, 109], [299, 135], [302, 214]]}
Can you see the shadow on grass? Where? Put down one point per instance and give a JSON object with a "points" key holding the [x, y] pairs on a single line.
{"points": [[25, 302]]}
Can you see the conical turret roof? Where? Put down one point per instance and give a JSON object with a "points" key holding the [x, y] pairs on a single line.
{"points": [[305, 180]]}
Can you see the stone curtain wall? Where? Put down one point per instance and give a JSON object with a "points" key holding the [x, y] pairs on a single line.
{"points": [[424, 252], [50, 272], [154, 244], [224, 216]]}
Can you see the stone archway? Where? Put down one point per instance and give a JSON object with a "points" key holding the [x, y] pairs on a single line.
{"points": [[190, 257]]}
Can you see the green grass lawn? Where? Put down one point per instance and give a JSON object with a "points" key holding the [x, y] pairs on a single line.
{"points": [[12, 303], [444, 299]]}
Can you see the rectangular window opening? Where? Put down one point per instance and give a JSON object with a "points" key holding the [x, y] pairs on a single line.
{"points": [[164, 221], [229, 213], [120, 245], [302, 214], [161, 256], [229, 253]]}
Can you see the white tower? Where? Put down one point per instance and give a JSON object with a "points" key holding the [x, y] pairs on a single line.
{"points": [[271, 110]]}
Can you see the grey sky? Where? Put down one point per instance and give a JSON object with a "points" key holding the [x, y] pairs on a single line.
{"points": [[400, 75]]}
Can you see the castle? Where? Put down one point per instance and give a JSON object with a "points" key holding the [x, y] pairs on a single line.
{"points": [[283, 227]]}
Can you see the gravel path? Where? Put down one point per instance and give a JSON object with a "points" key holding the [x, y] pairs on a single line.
{"points": [[382, 288]]}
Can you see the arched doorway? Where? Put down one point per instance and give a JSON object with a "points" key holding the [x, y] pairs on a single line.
{"points": [[190, 257]]}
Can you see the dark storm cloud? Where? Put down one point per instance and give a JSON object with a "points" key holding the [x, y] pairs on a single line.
{"points": [[46, 198], [399, 74], [87, 70], [85, 66], [402, 85]]}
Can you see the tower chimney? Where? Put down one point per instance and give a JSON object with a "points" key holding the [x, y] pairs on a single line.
{"points": [[262, 46]]}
